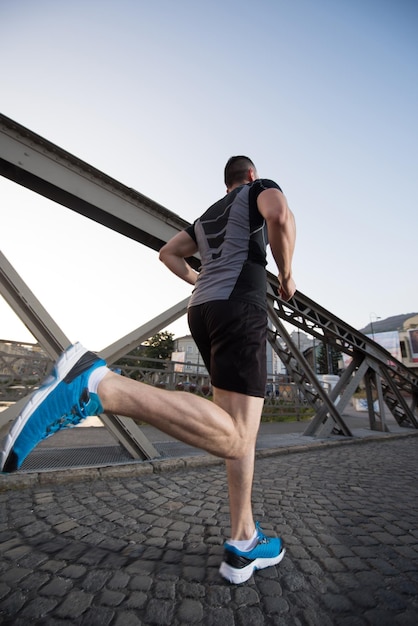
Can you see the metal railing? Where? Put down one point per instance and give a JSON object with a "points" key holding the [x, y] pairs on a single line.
{"points": [[20, 374]]}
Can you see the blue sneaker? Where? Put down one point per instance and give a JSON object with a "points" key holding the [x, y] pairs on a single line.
{"points": [[62, 401], [238, 566]]}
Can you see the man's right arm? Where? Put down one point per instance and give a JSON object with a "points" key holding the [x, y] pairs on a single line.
{"points": [[281, 229], [174, 254]]}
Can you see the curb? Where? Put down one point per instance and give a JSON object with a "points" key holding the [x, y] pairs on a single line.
{"points": [[27, 480]]}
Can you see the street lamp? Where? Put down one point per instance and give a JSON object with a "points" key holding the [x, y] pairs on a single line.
{"points": [[376, 317]]}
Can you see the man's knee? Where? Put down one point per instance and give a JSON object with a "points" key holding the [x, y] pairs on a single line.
{"points": [[241, 447]]}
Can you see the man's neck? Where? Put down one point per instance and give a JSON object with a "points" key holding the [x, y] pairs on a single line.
{"points": [[244, 182]]}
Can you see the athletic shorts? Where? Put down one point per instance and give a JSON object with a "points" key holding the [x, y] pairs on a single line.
{"points": [[231, 337]]}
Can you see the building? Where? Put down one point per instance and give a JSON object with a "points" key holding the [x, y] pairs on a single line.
{"points": [[399, 335], [187, 357]]}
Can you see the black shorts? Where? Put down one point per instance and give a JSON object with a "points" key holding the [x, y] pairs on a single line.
{"points": [[231, 337]]}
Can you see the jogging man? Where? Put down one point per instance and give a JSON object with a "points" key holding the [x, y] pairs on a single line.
{"points": [[227, 317]]}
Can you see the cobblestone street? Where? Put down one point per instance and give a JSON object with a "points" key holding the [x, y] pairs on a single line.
{"points": [[145, 548]]}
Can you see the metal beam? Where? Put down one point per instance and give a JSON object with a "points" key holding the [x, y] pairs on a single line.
{"points": [[31, 312], [39, 165], [126, 344], [304, 365], [400, 404], [54, 341]]}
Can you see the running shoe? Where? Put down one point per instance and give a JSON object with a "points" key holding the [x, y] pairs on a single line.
{"points": [[238, 566], [62, 401]]}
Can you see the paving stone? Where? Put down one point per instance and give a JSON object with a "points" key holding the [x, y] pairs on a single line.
{"points": [[124, 550], [73, 571], [74, 605], [365, 598], [159, 612], [276, 605], [190, 611], [53, 566], [409, 618], [219, 617], [250, 616], [38, 608], [95, 580], [96, 616], [109, 597], [57, 587], [13, 603], [15, 575], [136, 600], [127, 618]]}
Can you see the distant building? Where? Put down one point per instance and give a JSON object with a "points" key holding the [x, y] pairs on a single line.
{"points": [[187, 357], [301, 340], [399, 335]]}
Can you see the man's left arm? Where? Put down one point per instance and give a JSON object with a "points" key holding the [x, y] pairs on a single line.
{"points": [[281, 229], [174, 254]]}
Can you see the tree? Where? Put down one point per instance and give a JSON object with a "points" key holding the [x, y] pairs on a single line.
{"points": [[160, 346], [327, 361]]}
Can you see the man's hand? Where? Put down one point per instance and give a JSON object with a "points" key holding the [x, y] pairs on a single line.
{"points": [[287, 288]]}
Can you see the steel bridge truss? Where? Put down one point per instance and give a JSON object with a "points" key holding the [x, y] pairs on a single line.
{"points": [[384, 377], [37, 164]]}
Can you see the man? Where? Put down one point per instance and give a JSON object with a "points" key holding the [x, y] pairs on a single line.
{"points": [[228, 319]]}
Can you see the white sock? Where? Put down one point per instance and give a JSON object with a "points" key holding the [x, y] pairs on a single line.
{"points": [[96, 377], [246, 545]]}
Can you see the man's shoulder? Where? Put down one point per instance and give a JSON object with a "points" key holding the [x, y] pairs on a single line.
{"points": [[265, 183], [219, 206]]}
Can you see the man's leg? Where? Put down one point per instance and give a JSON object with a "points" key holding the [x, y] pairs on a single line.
{"points": [[248, 549], [227, 427], [246, 413], [185, 416], [80, 385]]}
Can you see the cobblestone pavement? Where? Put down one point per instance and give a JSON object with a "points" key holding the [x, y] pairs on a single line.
{"points": [[145, 548]]}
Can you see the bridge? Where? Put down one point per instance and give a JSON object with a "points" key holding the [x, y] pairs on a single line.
{"points": [[37, 164]]}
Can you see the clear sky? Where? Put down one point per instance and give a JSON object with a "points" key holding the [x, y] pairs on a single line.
{"points": [[321, 94]]}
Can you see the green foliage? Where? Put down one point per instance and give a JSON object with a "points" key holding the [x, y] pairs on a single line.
{"points": [[159, 347], [327, 360]]}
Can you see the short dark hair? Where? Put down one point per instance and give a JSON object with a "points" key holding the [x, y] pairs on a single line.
{"points": [[236, 169]]}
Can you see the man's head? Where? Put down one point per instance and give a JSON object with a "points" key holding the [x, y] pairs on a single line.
{"points": [[239, 170]]}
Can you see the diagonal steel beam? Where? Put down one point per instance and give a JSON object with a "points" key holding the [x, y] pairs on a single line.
{"points": [[23, 302], [408, 412], [331, 409], [126, 344], [50, 336]]}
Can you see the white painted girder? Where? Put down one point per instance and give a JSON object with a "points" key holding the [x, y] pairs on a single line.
{"points": [[36, 163]]}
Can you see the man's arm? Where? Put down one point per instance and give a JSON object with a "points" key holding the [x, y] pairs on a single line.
{"points": [[174, 253], [281, 229]]}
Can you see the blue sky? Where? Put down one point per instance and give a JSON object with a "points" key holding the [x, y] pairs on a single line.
{"points": [[321, 94]]}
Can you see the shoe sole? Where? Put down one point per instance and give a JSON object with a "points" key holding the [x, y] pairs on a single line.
{"points": [[62, 367], [237, 576]]}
